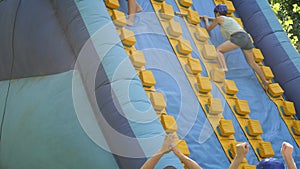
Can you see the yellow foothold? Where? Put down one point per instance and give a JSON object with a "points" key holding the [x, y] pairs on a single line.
{"points": [[209, 52], [183, 147], [254, 128], [147, 78], [158, 101], [289, 108], [127, 37], [258, 56], [194, 65], [275, 90], [267, 72], [226, 128], [265, 149], [184, 47], [112, 4], [118, 18], [137, 59], [201, 34], [169, 123], [215, 106], [242, 107], [230, 6], [204, 84], [166, 11], [218, 75], [193, 17], [186, 3], [174, 29], [296, 127], [230, 87]]}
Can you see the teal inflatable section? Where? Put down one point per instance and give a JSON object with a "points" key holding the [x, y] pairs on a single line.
{"points": [[3, 94], [41, 129]]}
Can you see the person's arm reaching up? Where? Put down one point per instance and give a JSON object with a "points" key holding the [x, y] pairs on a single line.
{"points": [[214, 23], [165, 148], [286, 151], [188, 162], [241, 152]]}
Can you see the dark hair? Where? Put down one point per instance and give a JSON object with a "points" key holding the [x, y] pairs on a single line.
{"points": [[221, 9], [270, 163], [169, 167]]}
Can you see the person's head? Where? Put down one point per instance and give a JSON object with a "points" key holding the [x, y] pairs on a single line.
{"points": [[169, 167], [270, 163], [221, 9]]}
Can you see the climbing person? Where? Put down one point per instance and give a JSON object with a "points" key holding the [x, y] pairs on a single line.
{"points": [[236, 37]]}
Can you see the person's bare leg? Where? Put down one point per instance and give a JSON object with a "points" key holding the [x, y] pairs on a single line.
{"points": [[223, 48], [250, 60], [132, 7], [138, 7]]}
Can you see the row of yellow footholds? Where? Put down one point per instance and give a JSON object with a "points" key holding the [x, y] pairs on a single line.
{"points": [[214, 105], [192, 67], [275, 92], [138, 61]]}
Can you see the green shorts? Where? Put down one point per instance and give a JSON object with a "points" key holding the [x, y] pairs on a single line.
{"points": [[242, 39]]}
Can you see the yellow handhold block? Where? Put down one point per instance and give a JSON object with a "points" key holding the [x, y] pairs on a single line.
{"points": [[215, 106], [230, 6], [242, 107], [147, 78], [184, 47], [201, 34], [112, 4], [183, 147], [258, 56], [217, 2], [169, 123], [275, 90], [174, 28], [296, 127], [209, 52], [137, 59], [265, 149], [127, 37], [249, 167], [158, 101], [166, 11], [193, 17], [289, 108], [194, 65], [218, 75], [254, 128], [230, 87], [119, 18], [226, 128], [186, 3], [204, 84], [267, 72]]}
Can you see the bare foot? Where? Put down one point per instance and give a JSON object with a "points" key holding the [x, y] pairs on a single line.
{"points": [[138, 8], [129, 22], [266, 85], [225, 70]]}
